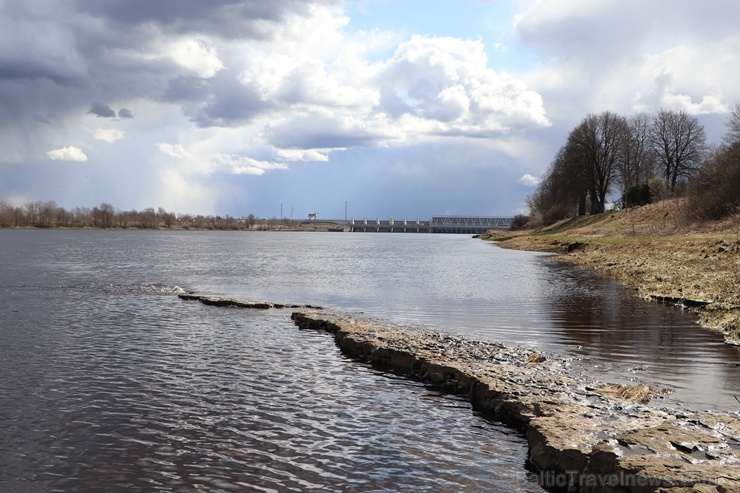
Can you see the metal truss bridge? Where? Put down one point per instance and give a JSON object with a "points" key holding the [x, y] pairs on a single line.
{"points": [[437, 224]]}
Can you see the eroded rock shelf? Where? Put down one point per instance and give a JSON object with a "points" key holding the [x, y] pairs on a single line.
{"points": [[237, 303], [582, 437]]}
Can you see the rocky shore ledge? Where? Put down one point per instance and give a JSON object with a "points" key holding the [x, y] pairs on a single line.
{"points": [[237, 303], [583, 437]]}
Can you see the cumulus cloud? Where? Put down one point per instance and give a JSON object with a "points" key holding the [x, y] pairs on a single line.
{"points": [[447, 80], [429, 87], [70, 153], [529, 180], [125, 113], [446, 83], [671, 82], [109, 135]]}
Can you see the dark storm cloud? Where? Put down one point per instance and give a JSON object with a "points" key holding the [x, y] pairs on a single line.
{"points": [[316, 132], [102, 110], [227, 18], [186, 88], [221, 101], [36, 69], [56, 56]]}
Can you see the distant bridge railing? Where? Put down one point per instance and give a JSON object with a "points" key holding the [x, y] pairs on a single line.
{"points": [[438, 224], [389, 226], [468, 224]]}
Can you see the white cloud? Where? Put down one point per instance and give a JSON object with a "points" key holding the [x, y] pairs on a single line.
{"points": [[70, 153], [529, 180], [428, 87], [17, 199], [242, 165], [180, 193], [173, 150], [314, 155], [447, 80], [678, 78], [110, 135], [193, 54]]}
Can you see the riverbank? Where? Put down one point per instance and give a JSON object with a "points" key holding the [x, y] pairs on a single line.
{"points": [[651, 251], [583, 436]]}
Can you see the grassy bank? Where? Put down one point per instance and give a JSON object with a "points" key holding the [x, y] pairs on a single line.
{"points": [[651, 250]]}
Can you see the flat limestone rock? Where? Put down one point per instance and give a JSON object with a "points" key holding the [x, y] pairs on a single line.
{"points": [[591, 441], [237, 303]]}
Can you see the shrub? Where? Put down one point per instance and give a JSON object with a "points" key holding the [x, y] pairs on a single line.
{"points": [[637, 195], [715, 192], [519, 221], [555, 214]]}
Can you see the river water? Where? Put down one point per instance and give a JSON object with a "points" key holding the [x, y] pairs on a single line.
{"points": [[109, 382]]}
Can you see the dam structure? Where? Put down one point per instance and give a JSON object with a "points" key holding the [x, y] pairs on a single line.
{"points": [[437, 224]]}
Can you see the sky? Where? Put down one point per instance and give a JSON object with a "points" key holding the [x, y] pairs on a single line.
{"points": [[373, 108]]}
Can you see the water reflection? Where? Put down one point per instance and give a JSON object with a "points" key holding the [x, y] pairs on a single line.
{"points": [[632, 340]]}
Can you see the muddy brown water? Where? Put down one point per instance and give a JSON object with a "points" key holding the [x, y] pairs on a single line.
{"points": [[109, 382]]}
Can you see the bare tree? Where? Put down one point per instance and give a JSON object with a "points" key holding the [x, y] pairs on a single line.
{"points": [[733, 126], [595, 147], [148, 219], [637, 161], [168, 218], [555, 197], [103, 216], [33, 212], [7, 215], [47, 214], [82, 217], [680, 144]]}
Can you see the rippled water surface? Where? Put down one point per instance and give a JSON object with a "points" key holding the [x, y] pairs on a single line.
{"points": [[109, 382]]}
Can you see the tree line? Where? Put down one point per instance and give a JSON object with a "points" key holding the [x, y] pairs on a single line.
{"points": [[48, 214], [645, 157]]}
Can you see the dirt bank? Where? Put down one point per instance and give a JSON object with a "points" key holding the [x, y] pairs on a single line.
{"points": [[581, 436], [650, 251]]}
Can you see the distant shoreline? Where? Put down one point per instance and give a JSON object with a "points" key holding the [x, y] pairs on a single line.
{"points": [[301, 227]]}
